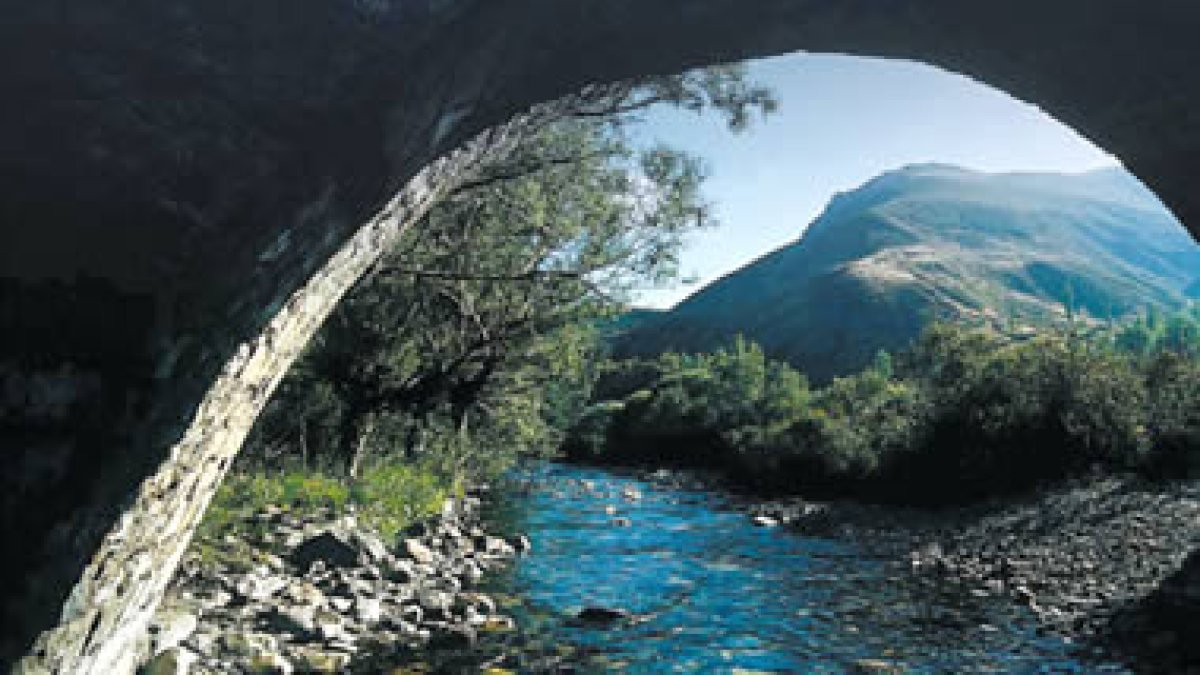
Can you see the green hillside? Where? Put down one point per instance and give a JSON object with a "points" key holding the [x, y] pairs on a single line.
{"points": [[935, 241]]}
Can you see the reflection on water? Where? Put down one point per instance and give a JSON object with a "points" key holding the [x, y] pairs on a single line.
{"points": [[710, 592]]}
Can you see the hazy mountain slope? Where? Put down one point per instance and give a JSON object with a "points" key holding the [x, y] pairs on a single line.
{"points": [[938, 241]]}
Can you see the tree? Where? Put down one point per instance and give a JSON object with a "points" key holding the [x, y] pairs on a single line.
{"points": [[482, 314]]}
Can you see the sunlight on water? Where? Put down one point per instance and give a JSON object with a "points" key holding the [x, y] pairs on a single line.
{"points": [[709, 592]]}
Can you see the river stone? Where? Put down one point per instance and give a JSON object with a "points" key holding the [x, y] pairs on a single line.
{"points": [[335, 550], [497, 546], [876, 666], [304, 593], [471, 573], [368, 610], [247, 644], [498, 624], [522, 544], [329, 626], [340, 603], [310, 660], [270, 662], [418, 551], [596, 614], [171, 661], [297, 620], [260, 587], [401, 571], [455, 637], [411, 614], [370, 545], [170, 628]]}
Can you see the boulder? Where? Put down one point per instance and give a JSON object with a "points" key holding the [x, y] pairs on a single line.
{"points": [[521, 544], [309, 660], [497, 546], [329, 626], [259, 587], [412, 614], [370, 545], [247, 644], [334, 549], [171, 661], [455, 637], [368, 610], [417, 551], [171, 627], [271, 663], [597, 614], [400, 571], [296, 620], [304, 593]]}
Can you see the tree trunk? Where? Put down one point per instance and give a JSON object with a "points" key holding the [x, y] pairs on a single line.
{"points": [[363, 425]]}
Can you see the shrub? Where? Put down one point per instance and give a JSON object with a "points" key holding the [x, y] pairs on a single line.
{"points": [[967, 413]]}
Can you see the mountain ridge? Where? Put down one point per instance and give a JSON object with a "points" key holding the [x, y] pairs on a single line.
{"points": [[933, 241]]}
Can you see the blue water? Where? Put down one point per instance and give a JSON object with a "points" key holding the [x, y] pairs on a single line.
{"points": [[712, 593]]}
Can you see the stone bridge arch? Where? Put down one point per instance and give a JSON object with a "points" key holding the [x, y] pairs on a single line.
{"points": [[188, 186]]}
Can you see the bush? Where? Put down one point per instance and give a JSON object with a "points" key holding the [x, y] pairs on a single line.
{"points": [[392, 496], [967, 413], [1173, 424]]}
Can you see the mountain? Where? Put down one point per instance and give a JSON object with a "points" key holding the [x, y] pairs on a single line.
{"points": [[935, 241]]}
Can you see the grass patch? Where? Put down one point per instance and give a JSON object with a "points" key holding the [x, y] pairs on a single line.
{"points": [[387, 498], [390, 497]]}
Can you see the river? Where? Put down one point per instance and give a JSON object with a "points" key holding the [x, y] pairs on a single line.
{"points": [[710, 592]]}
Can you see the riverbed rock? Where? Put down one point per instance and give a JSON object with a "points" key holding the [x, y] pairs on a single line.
{"points": [[270, 663], [368, 610], [336, 593], [418, 551], [294, 619], [247, 644], [170, 661], [521, 544], [333, 549], [170, 627], [312, 660], [598, 614], [455, 637], [874, 666], [435, 604], [304, 592]]}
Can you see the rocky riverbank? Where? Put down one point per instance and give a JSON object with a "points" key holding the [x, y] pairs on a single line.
{"points": [[1104, 561], [315, 592]]}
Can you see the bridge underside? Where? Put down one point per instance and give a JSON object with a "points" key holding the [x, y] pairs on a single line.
{"points": [[188, 186]]}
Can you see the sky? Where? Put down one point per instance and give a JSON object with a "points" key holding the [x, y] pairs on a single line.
{"points": [[842, 121]]}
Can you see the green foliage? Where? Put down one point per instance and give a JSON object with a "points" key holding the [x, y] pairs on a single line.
{"points": [[391, 496], [1173, 422], [1154, 333], [475, 339], [965, 414], [1074, 252], [387, 497]]}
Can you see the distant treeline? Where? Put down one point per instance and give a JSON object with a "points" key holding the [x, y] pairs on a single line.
{"points": [[965, 414]]}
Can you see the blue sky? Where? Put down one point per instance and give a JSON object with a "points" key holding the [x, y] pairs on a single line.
{"points": [[843, 120]]}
